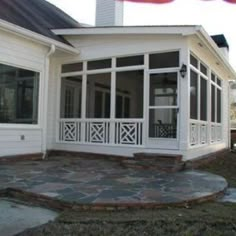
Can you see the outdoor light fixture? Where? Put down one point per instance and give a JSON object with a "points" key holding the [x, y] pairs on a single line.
{"points": [[183, 70]]}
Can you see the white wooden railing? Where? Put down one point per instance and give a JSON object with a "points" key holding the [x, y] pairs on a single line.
{"points": [[201, 135], [101, 131]]}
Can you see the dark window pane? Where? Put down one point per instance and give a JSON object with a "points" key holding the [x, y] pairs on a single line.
{"points": [[213, 77], [130, 61], [203, 69], [129, 85], [119, 106], [98, 95], [72, 67], [19, 92], [218, 106], [194, 96], [127, 108], [203, 105], [219, 82], [164, 60], [71, 96], [162, 123], [163, 89], [193, 61], [107, 105], [213, 104], [100, 64], [98, 104]]}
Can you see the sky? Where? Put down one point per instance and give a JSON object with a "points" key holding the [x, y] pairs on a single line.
{"points": [[216, 16]]}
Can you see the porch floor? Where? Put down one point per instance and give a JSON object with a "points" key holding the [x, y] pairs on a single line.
{"points": [[99, 181]]}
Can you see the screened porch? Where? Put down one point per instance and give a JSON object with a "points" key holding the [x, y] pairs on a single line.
{"points": [[120, 101]]}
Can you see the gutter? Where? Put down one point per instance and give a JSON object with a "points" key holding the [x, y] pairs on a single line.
{"points": [[51, 51], [35, 37]]}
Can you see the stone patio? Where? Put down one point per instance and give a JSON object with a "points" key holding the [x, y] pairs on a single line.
{"points": [[100, 181]]}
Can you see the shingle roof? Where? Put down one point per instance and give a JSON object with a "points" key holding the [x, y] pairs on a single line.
{"points": [[39, 16]]}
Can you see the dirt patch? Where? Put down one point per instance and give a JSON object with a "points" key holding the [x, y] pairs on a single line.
{"points": [[225, 166]]}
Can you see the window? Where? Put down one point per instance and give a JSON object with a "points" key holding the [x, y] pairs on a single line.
{"points": [[198, 89], [129, 94], [98, 95], [71, 95], [99, 64], [130, 61], [164, 60], [19, 92], [216, 99], [72, 67], [194, 95]]}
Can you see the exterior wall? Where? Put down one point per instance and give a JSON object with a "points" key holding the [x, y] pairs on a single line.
{"points": [[19, 52]]}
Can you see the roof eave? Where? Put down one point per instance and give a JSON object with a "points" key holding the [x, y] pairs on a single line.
{"points": [[125, 30], [203, 35], [35, 37]]}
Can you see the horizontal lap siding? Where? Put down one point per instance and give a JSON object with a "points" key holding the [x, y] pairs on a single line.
{"points": [[22, 53]]}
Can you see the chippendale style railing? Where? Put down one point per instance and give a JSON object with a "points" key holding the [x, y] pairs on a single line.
{"points": [[101, 131], [201, 135]]}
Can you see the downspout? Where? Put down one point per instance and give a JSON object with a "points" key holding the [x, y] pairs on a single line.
{"points": [[45, 105]]}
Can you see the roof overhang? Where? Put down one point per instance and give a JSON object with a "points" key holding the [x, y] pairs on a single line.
{"points": [[127, 30], [183, 30], [211, 45], [35, 37]]}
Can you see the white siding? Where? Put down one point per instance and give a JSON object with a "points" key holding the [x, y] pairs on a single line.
{"points": [[22, 53]]}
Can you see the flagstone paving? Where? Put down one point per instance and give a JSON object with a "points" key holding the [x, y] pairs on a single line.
{"points": [[88, 181]]}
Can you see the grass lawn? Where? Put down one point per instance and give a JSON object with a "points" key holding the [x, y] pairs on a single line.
{"points": [[204, 219]]}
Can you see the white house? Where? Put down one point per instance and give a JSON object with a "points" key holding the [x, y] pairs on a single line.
{"points": [[109, 89]]}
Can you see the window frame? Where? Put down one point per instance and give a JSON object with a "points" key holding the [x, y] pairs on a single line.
{"points": [[200, 76], [40, 102]]}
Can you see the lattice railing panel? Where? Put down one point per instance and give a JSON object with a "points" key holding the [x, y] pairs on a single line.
{"points": [[128, 133]]}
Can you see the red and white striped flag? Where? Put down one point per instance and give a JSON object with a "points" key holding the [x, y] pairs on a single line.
{"points": [[148, 1], [165, 1]]}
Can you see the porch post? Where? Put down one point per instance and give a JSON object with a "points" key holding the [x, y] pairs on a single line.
{"points": [[145, 101], [113, 102], [184, 101], [83, 106], [209, 107]]}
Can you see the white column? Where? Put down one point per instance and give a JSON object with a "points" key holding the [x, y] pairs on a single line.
{"points": [[209, 107], [146, 101], [113, 102], [83, 106], [184, 100]]}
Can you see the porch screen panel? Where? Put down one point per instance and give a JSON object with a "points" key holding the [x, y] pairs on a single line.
{"points": [[19, 95], [98, 95], [203, 100], [213, 103], [71, 96], [129, 94], [164, 60], [194, 95]]}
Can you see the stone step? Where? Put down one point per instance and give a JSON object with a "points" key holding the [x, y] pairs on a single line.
{"points": [[155, 161]]}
